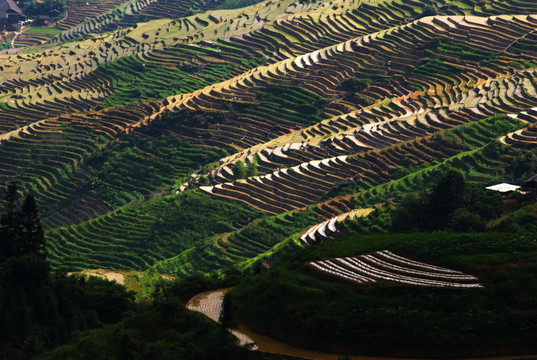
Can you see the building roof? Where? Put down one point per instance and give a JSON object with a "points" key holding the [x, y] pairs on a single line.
{"points": [[531, 182], [503, 187], [6, 5]]}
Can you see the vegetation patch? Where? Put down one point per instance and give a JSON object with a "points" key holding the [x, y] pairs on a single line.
{"points": [[42, 30], [291, 103], [461, 50], [289, 303], [236, 4], [141, 234], [433, 67], [360, 81], [169, 76]]}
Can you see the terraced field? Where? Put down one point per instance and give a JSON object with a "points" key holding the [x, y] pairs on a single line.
{"points": [[389, 267], [306, 115]]}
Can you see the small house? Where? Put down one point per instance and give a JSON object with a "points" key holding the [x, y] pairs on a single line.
{"points": [[10, 15], [41, 20], [530, 186], [503, 188]]}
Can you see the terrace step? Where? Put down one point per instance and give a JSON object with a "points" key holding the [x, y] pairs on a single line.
{"points": [[331, 228], [385, 266]]}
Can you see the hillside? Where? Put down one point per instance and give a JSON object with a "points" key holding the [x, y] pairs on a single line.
{"points": [[344, 146], [489, 313], [294, 113]]}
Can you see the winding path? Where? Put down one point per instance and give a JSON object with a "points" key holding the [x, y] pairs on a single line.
{"points": [[210, 304]]}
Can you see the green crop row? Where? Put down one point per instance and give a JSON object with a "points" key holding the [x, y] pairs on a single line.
{"points": [[129, 77], [141, 234]]}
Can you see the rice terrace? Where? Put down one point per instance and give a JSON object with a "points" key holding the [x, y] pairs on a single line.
{"points": [[350, 178]]}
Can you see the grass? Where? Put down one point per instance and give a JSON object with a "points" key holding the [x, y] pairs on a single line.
{"points": [[177, 75], [139, 235], [42, 30], [434, 67], [142, 283]]}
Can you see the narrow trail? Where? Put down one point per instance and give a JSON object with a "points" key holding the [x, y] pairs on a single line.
{"points": [[210, 304], [14, 38]]}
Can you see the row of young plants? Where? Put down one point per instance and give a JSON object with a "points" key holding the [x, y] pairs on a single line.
{"points": [[141, 234], [116, 194], [238, 248]]}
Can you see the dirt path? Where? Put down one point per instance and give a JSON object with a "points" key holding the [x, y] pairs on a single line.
{"points": [[106, 274], [210, 304], [14, 38]]}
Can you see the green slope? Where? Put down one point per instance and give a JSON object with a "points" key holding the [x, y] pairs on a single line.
{"points": [[307, 310]]}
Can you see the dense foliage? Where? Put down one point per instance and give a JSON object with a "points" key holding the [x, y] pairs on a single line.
{"points": [[291, 303], [52, 8], [163, 329], [38, 309], [452, 204]]}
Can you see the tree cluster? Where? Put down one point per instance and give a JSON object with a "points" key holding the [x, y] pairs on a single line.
{"points": [[164, 329], [522, 167], [243, 171], [39, 309], [20, 231], [52, 8], [453, 204]]}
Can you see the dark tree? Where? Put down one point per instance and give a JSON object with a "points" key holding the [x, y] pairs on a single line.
{"points": [[452, 204], [410, 214], [522, 167], [32, 237], [240, 170], [447, 196], [20, 230], [8, 223], [52, 8], [38, 311]]}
